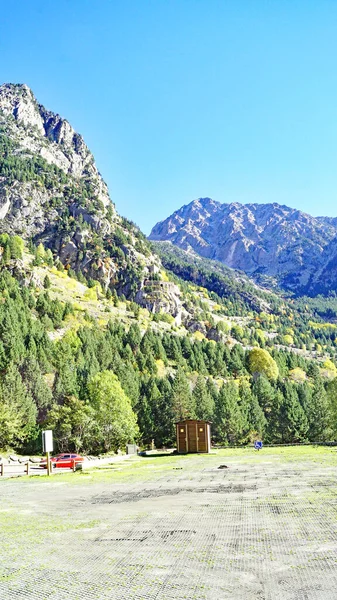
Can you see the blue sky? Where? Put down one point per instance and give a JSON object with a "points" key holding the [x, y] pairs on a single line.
{"points": [[177, 99]]}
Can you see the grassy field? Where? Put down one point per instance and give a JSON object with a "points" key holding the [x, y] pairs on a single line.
{"points": [[261, 527]]}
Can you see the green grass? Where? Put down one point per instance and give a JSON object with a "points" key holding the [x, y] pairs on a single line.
{"points": [[150, 468]]}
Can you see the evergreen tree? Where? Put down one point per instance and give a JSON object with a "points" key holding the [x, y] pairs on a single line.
{"points": [[65, 383], [204, 403], [46, 283], [228, 421], [264, 392], [17, 410], [36, 385], [164, 433], [319, 414], [253, 419], [182, 402], [293, 424]]}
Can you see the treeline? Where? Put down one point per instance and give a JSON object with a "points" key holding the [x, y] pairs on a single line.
{"points": [[99, 388]]}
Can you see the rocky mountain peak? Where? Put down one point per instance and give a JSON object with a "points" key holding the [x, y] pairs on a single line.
{"points": [[52, 192], [18, 101], [46, 133], [269, 239]]}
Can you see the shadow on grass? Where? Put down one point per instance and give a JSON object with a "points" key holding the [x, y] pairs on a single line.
{"points": [[146, 454]]}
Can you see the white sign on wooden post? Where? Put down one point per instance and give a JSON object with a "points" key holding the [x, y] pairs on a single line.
{"points": [[47, 440]]}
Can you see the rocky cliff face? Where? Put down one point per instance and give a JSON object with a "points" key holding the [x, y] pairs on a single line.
{"points": [[51, 192], [267, 239], [44, 133]]}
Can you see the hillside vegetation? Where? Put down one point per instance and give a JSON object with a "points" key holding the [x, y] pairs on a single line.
{"points": [[106, 338], [101, 371]]}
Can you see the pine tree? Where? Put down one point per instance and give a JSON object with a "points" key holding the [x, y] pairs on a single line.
{"points": [[253, 419], [182, 401], [128, 378], [17, 410], [40, 254], [6, 255], [164, 433], [134, 337], [48, 258], [212, 390], [293, 424], [264, 392], [46, 283], [228, 421], [36, 385], [332, 406], [274, 433], [65, 383], [204, 403], [319, 414]]}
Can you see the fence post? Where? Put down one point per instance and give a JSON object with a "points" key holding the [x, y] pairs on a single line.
{"points": [[27, 467], [2, 469]]}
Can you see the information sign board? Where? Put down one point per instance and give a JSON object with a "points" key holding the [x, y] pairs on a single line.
{"points": [[47, 440]]}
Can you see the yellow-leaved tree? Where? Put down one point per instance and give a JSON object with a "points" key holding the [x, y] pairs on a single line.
{"points": [[261, 363]]}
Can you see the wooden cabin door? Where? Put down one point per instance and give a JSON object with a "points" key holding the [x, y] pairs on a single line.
{"points": [[192, 437], [182, 438], [202, 435]]}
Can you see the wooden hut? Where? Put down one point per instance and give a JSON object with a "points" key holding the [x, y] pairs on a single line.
{"points": [[193, 436]]}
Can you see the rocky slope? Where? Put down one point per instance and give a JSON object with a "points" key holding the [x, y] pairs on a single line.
{"points": [[266, 239], [51, 192], [323, 278]]}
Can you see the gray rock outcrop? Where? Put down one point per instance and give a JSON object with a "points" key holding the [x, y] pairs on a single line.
{"points": [[267, 239]]}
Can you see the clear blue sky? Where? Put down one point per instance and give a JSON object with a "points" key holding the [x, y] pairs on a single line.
{"points": [[232, 99]]}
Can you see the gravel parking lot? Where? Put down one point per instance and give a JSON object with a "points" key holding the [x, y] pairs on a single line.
{"points": [[261, 527]]}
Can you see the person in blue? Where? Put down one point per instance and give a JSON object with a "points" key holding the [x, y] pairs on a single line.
{"points": [[258, 445]]}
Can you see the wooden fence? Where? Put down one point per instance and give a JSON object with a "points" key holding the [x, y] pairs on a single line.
{"points": [[25, 465]]}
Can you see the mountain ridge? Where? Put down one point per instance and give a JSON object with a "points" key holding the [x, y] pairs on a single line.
{"points": [[260, 239], [51, 192]]}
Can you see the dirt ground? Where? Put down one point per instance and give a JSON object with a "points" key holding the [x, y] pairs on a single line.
{"points": [[263, 528]]}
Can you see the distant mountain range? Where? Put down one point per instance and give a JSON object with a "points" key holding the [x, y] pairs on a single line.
{"points": [[51, 192], [296, 250]]}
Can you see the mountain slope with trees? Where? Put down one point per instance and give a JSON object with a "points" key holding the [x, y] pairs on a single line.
{"points": [[100, 384], [106, 338], [52, 192]]}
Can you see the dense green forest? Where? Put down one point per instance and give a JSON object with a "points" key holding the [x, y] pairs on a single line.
{"points": [[100, 387]]}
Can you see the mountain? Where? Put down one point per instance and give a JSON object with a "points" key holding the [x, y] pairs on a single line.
{"points": [[240, 291], [259, 239], [323, 279], [52, 193], [93, 315]]}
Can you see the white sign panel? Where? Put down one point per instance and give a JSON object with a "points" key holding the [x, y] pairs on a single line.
{"points": [[47, 440]]}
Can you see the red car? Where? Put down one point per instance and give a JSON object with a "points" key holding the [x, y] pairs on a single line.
{"points": [[65, 461]]}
